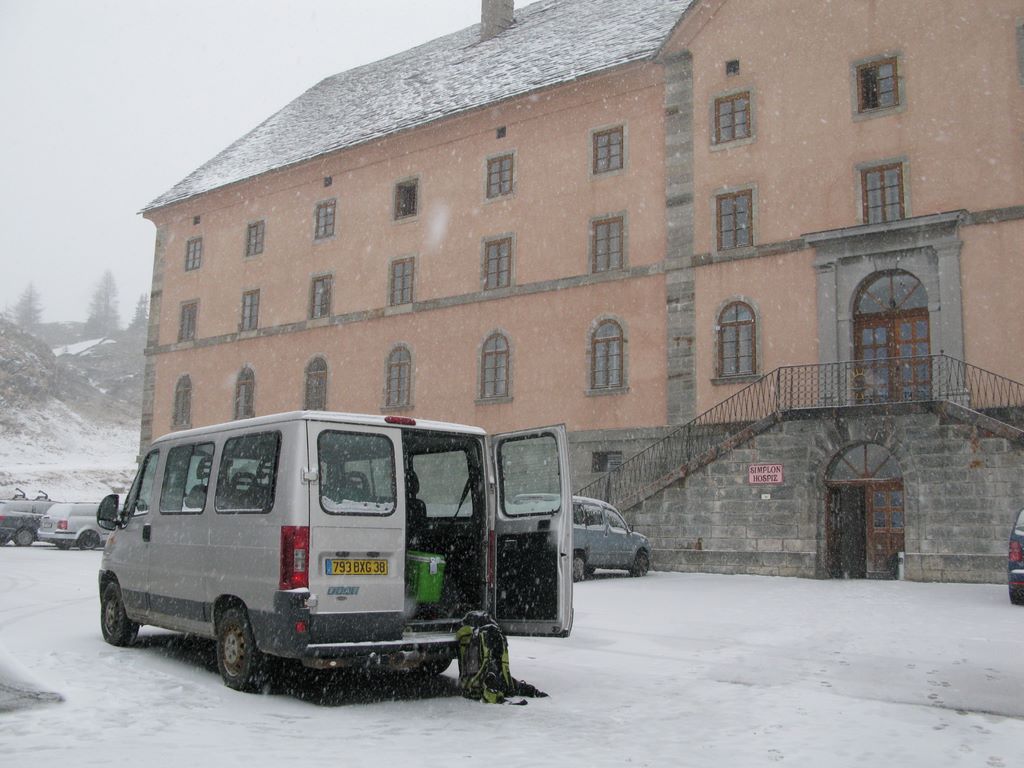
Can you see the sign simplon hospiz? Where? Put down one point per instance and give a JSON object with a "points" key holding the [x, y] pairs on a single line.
{"points": [[764, 474]]}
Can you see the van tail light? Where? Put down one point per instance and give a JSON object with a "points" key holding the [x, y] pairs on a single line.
{"points": [[1016, 556], [294, 557], [62, 525]]}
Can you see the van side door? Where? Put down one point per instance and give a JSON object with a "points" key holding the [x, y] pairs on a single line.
{"points": [[129, 557], [532, 532]]}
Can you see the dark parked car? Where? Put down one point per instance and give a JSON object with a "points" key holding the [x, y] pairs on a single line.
{"points": [[20, 517], [603, 539], [1015, 564]]}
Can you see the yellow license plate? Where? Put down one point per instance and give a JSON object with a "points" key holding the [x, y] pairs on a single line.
{"points": [[352, 567]]}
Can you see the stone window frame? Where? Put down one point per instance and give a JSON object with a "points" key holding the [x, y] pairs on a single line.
{"points": [[605, 130], [481, 356], [509, 154], [319, 310], [595, 326], [716, 143], [390, 361], [187, 332], [1020, 52], [255, 238], [250, 316], [749, 190], [859, 112], [738, 378], [595, 221], [245, 381], [486, 243], [194, 253], [397, 214], [322, 376], [325, 219], [181, 412], [860, 171], [396, 298]]}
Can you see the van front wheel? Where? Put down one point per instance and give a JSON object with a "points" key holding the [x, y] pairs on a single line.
{"points": [[242, 665], [117, 628]]}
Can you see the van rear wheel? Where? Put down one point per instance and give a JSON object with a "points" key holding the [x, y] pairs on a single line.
{"points": [[242, 665], [117, 628]]}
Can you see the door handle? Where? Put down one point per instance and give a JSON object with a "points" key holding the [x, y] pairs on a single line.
{"points": [[145, 532]]}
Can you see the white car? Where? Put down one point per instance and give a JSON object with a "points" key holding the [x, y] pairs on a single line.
{"points": [[72, 524]]}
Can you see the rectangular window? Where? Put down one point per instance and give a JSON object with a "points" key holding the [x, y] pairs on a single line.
{"points": [[193, 254], [402, 274], [606, 461], [357, 473], [608, 146], [499, 176], [882, 193], [606, 244], [248, 473], [406, 199], [324, 220], [735, 220], [186, 479], [498, 263], [250, 311], [254, 239], [320, 297], [187, 324], [732, 117], [877, 85]]}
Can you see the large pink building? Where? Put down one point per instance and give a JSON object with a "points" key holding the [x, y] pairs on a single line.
{"points": [[627, 216]]}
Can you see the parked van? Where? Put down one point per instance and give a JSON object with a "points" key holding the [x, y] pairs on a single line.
{"points": [[340, 540], [71, 524]]}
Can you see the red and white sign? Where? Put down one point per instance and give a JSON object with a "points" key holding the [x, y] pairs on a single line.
{"points": [[764, 474]]}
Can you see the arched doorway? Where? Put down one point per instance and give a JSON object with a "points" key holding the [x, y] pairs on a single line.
{"points": [[890, 320], [864, 523]]}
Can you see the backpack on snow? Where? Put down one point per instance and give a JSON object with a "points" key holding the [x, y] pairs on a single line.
{"points": [[483, 662]]}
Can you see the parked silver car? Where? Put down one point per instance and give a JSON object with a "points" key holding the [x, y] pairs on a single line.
{"points": [[603, 539], [72, 525]]}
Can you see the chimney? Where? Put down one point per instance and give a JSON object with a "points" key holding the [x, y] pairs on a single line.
{"points": [[495, 17]]}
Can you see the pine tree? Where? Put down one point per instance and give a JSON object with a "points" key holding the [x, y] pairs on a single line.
{"points": [[27, 312], [141, 317], [103, 318]]}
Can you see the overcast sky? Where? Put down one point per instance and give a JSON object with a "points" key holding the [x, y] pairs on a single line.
{"points": [[108, 103]]}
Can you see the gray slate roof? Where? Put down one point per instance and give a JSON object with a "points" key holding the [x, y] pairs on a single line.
{"points": [[551, 42]]}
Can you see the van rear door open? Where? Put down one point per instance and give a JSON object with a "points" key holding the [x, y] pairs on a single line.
{"points": [[356, 533], [532, 551]]}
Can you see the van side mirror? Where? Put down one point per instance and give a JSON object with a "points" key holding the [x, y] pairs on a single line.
{"points": [[107, 516]]}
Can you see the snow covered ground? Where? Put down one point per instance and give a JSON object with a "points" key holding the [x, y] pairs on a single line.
{"points": [[668, 670], [54, 449]]}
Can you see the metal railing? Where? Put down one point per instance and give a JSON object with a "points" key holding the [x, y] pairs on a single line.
{"points": [[884, 381]]}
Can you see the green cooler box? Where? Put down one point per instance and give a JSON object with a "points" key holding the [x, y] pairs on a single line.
{"points": [[424, 576]]}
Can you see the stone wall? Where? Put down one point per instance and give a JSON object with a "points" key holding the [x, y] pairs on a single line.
{"points": [[961, 489]]}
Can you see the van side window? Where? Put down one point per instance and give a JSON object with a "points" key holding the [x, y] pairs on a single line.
{"points": [[247, 475], [186, 479], [140, 497], [357, 473]]}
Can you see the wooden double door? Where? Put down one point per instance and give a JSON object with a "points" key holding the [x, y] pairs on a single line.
{"points": [[865, 528]]}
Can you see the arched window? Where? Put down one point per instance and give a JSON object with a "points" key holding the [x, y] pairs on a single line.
{"points": [[399, 376], [736, 340], [245, 394], [494, 367], [182, 416], [316, 385], [891, 321], [606, 356]]}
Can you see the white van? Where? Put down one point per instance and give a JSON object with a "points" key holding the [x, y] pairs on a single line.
{"points": [[340, 540], [71, 524]]}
